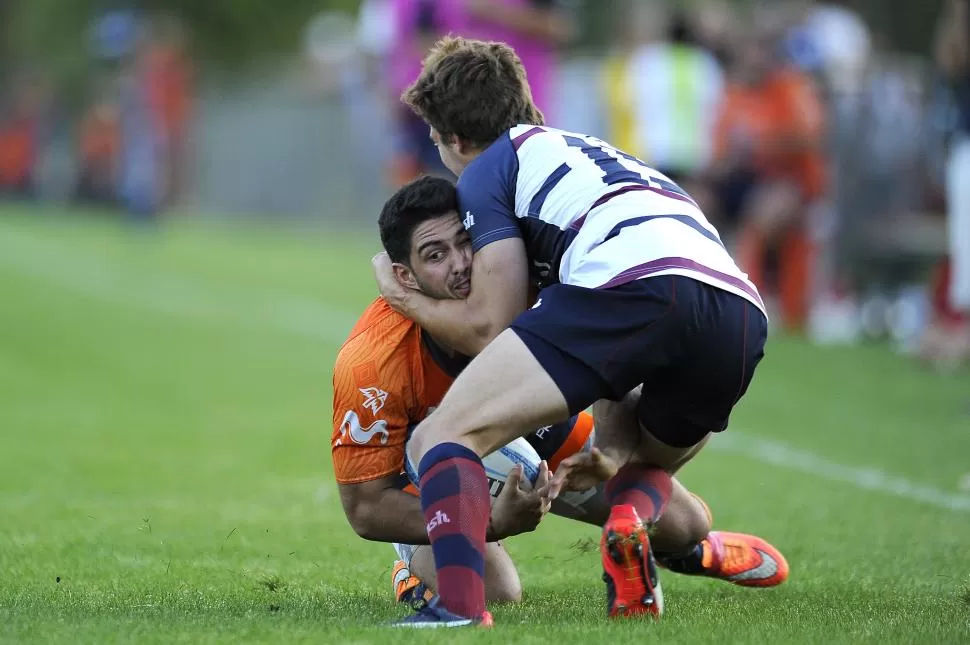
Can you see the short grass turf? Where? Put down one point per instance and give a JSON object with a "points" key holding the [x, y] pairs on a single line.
{"points": [[165, 473]]}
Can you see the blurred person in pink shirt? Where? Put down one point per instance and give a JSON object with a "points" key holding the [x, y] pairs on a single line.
{"points": [[534, 28], [417, 24]]}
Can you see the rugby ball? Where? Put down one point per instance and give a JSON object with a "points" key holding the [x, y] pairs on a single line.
{"points": [[498, 464]]}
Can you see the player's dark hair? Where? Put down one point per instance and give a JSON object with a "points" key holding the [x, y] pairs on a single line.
{"points": [[473, 90], [423, 199]]}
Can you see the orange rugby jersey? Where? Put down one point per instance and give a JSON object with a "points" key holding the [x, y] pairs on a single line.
{"points": [[385, 379], [388, 376]]}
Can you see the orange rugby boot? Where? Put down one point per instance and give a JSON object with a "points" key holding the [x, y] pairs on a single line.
{"points": [[629, 570], [408, 589], [738, 558]]}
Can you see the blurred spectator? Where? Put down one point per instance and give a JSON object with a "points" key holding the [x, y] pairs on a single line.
{"points": [[113, 34], [882, 190], [168, 74], [879, 137], [951, 338], [717, 28], [16, 156], [769, 170], [417, 25], [356, 57], [833, 40], [141, 162], [98, 149], [19, 130], [664, 98], [533, 27]]}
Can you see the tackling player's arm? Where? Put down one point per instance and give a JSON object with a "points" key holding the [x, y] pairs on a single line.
{"points": [[500, 270], [499, 293], [381, 511]]}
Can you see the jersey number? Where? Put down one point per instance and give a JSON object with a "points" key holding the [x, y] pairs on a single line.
{"points": [[616, 173]]}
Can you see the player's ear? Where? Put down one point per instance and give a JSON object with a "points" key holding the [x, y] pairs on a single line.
{"points": [[404, 275]]}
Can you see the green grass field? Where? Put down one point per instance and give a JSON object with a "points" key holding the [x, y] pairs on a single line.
{"points": [[165, 471]]}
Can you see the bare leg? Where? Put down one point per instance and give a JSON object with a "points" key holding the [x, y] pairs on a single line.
{"points": [[685, 522], [504, 393], [507, 395], [501, 577], [620, 436]]}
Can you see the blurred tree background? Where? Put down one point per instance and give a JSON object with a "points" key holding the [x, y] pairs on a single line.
{"points": [[227, 34], [55, 35], [224, 31]]}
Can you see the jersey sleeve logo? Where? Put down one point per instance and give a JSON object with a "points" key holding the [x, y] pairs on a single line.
{"points": [[469, 220], [374, 399], [351, 427]]}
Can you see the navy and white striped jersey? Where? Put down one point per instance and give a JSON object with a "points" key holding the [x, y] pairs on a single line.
{"points": [[589, 214]]}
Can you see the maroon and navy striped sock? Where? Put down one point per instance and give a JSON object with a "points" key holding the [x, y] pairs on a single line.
{"points": [[457, 506], [647, 489]]}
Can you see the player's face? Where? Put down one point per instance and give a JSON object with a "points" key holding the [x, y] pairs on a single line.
{"points": [[450, 152], [441, 258]]}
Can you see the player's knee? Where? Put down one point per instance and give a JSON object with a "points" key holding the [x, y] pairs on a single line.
{"points": [[501, 577], [416, 447], [504, 591], [697, 524], [679, 536], [435, 430], [425, 437], [684, 523]]}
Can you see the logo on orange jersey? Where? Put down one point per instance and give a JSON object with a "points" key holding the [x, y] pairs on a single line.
{"points": [[374, 399], [359, 434]]}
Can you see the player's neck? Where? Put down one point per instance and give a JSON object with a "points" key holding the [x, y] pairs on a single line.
{"points": [[445, 349], [446, 358], [468, 154]]}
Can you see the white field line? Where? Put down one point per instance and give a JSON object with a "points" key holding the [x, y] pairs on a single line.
{"points": [[166, 293], [778, 454]]}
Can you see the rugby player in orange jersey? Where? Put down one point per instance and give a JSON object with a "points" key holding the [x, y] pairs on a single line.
{"points": [[390, 374]]}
